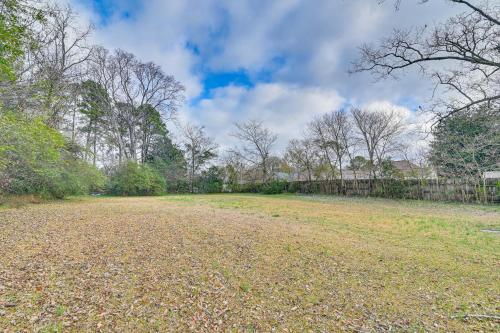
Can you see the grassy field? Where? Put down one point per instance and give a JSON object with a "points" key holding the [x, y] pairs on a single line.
{"points": [[249, 263]]}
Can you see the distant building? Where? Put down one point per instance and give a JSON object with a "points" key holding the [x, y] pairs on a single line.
{"points": [[400, 169], [409, 170]]}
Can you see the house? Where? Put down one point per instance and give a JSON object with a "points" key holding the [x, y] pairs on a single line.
{"points": [[399, 169], [408, 170]]}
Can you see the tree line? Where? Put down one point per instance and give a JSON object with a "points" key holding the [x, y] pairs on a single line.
{"points": [[77, 118]]}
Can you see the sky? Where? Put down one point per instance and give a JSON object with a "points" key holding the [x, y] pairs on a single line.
{"points": [[280, 61]]}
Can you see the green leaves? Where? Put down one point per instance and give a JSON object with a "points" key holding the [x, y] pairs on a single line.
{"points": [[35, 159], [132, 179], [11, 40], [467, 144]]}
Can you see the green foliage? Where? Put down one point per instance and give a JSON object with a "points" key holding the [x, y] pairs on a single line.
{"points": [[394, 188], [250, 188], [11, 39], [387, 170], [94, 100], [232, 179], [34, 159], [293, 187], [132, 179], [275, 187], [211, 180], [359, 163], [467, 143], [168, 160], [152, 123], [271, 187], [81, 177]]}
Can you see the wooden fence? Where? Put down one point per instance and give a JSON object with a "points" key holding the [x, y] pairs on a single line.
{"points": [[487, 191]]}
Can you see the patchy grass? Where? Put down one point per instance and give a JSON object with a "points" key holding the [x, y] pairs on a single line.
{"points": [[248, 263], [18, 201]]}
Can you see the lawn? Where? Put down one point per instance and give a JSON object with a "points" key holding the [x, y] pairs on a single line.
{"points": [[249, 263]]}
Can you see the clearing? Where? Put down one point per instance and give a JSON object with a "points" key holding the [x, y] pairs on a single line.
{"points": [[248, 263]]}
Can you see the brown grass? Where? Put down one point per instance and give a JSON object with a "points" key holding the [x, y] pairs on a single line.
{"points": [[17, 201], [248, 263]]}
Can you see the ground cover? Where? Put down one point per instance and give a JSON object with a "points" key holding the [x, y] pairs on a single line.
{"points": [[233, 262]]}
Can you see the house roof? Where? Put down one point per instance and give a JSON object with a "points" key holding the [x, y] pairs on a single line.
{"points": [[404, 165]]}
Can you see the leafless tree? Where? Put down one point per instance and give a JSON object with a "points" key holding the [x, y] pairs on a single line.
{"points": [[257, 142], [339, 127], [139, 84], [134, 88], [199, 149], [461, 55], [303, 156], [55, 49], [333, 135], [379, 132], [321, 139], [56, 65], [235, 168]]}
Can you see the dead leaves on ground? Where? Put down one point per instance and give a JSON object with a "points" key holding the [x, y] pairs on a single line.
{"points": [[144, 264]]}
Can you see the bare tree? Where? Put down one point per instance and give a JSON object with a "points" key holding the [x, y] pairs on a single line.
{"points": [[321, 139], [138, 85], [465, 51], [333, 134], [235, 169], [199, 149], [379, 132], [257, 142], [56, 65], [339, 128], [135, 89], [303, 156]]}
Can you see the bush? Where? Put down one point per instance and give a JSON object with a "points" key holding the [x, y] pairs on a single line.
{"points": [[293, 187], [211, 180], [34, 159], [395, 189], [82, 178], [250, 188], [132, 179], [275, 187]]}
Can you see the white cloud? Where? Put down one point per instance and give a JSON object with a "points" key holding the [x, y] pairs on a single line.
{"points": [[315, 39], [318, 39], [285, 109], [417, 124]]}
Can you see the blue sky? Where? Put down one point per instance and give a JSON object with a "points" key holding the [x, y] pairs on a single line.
{"points": [[282, 61]]}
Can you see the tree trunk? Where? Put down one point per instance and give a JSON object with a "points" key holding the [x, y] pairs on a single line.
{"points": [[94, 158], [132, 148]]}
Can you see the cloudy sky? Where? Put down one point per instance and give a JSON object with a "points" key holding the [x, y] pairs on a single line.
{"points": [[280, 61]]}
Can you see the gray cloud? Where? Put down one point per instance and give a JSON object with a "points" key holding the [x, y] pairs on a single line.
{"points": [[314, 39]]}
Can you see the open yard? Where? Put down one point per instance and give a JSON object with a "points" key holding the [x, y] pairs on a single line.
{"points": [[248, 263]]}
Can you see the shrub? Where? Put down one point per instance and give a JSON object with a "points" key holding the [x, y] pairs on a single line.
{"points": [[34, 159], [293, 187], [132, 178], [250, 188], [211, 180], [395, 188], [82, 178], [275, 187]]}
